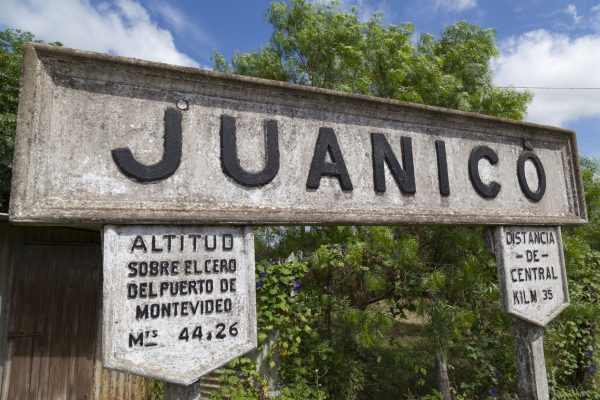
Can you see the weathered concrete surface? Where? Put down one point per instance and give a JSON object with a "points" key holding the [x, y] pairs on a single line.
{"points": [[529, 356], [76, 107], [177, 314], [182, 392], [531, 272]]}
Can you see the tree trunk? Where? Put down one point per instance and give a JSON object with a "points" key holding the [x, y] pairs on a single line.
{"points": [[443, 382]]}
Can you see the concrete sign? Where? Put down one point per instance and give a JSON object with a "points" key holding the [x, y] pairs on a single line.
{"points": [[531, 271], [178, 301], [105, 139]]}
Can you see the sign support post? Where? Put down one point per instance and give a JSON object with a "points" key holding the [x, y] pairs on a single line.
{"points": [[533, 289], [174, 391], [529, 355]]}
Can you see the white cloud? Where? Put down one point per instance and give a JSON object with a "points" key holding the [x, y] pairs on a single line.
{"points": [[545, 59], [178, 20], [172, 15], [121, 27], [455, 5], [572, 11], [595, 17]]}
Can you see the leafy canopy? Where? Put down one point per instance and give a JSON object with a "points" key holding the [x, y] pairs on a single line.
{"points": [[316, 44], [362, 283]]}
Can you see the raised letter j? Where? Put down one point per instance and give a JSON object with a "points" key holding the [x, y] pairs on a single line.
{"points": [[171, 156]]}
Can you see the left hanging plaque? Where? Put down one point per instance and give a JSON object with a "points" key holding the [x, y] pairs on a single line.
{"points": [[179, 301]]}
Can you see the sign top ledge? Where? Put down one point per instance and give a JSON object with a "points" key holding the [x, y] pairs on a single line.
{"points": [[65, 52]]}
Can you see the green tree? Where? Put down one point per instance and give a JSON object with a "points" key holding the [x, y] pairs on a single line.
{"points": [[572, 340], [445, 275], [318, 45]]}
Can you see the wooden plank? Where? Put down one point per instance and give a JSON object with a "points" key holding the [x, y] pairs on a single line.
{"points": [[108, 384], [6, 247], [8, 235], [46, 375], [6, 373], [60, 332], [56, 290], [44, 281], [68, 265], [75, 303], [21, 328], [87, 331]]}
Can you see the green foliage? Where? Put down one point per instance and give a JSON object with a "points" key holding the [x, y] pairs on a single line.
{"points": [[154, 389], [241, 380], [460, 298], [284, 322], [279, 307], [572, 339], [317, 44], [380, 300], [367, 287], [11, 55]]}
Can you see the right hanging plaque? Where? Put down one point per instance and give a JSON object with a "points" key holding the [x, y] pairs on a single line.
{"points": [[531, 271]]}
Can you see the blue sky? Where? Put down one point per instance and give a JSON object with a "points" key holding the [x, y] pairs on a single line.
{"points": [[544, 43]]}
